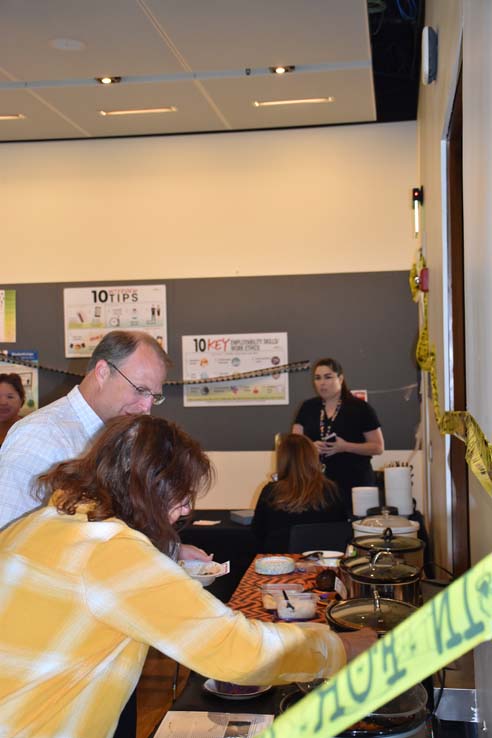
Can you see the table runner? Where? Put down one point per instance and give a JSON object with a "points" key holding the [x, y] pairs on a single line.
{"points": [[247, 596]]}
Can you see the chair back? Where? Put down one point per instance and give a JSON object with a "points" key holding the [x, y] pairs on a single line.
{"points": [[320, 536]]}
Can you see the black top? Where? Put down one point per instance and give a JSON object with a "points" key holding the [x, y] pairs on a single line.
{"points": [[354, 418], [272, 526]]}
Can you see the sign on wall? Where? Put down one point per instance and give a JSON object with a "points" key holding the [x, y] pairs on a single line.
{"points": [[7, 316], [211, 356], [91, 312]]}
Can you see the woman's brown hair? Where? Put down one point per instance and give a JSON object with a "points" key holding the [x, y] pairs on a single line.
{"points": [[301, 483], [137, 470]]}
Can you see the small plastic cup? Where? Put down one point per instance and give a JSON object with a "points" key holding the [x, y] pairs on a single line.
{"points": [[270, 592], [302, 606]]}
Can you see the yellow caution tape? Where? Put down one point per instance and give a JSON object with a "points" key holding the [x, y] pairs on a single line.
{"points": [[452, 623], [457, 423]]}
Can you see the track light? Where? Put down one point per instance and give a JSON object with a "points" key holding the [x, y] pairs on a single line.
{"points": [[282, 69], [108, 80]]}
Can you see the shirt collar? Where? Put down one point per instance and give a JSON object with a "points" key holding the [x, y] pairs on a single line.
{"points": [[90, 420]]}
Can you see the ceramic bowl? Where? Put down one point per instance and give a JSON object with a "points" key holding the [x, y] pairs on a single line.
{"points": [[204, 572]]}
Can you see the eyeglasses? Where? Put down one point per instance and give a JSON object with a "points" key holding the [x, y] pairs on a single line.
{"points": [[157, 398]]}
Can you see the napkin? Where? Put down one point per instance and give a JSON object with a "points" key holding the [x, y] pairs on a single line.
{"points": [[206, 522]]}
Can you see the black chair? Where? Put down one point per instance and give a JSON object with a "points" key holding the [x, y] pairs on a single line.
{"points": [[320, 536]]}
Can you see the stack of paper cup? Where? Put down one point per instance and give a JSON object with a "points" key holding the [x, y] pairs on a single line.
{"points": [[363, 498], [398, 488]]}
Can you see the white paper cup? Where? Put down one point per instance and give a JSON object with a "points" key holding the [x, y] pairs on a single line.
{"points": [[398, 489], [363, 498]]}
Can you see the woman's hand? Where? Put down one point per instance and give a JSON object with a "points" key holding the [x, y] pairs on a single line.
{"points": [[187, 552], [321, 447], [330, 448], [357, 642]]}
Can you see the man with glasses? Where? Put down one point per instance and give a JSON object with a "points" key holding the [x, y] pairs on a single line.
{"points": [[124, 377]]}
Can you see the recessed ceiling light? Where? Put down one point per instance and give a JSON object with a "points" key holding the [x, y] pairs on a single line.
{"points": [[67, 44], [13, 116], [108, 80], [141, 111], [282, 69], [303, 101]]}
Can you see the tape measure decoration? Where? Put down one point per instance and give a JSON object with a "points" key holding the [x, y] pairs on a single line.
{"points": [[459, 423], [456, 620], [294, 366]]}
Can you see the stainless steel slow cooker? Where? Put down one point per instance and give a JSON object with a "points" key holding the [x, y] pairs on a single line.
{"points": [[391, 577], [405, 716]]}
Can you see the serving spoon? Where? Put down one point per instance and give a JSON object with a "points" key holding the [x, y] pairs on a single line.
{"points": [[290, 606]]}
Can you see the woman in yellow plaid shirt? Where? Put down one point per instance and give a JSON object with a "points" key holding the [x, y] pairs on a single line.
{"points": [[89, 582]]}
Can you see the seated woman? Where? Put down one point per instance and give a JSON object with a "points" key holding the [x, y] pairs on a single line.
{"points": [[301, 495], [89, 582], [12, 398]]}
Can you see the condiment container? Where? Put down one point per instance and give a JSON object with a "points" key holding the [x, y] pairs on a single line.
{"points": [[271, 592], [302, 606]]}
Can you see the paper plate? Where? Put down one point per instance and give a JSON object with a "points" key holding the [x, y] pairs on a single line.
{"points": [[328, 558]]}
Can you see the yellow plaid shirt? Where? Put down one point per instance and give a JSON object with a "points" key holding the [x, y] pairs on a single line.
{"points": [[80, 603]]}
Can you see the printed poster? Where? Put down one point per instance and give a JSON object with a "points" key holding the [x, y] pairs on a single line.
{"points": [[91, 312], [223, 355], [7, 316], [28, 375]]}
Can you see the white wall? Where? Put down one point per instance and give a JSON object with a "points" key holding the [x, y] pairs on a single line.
{"points": [[435, 102], [319, 200], [477, 177], [473, 18], [241, 475]]}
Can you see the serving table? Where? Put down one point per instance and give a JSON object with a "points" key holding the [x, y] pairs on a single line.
{"points": [[247, 599], [247, 596]]}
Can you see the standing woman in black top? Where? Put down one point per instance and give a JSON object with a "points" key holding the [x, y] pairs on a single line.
{"points": [[345, 430]]}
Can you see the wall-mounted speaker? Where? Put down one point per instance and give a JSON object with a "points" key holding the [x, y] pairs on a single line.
{"points": [[429, 55]]}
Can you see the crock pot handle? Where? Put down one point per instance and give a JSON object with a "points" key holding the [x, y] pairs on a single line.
{"points": [[375, 558], [388, 535]]}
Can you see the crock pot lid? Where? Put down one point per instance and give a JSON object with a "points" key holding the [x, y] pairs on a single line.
{"points": [[387, 570], [386, 521], [398, 544], [359, 612]]}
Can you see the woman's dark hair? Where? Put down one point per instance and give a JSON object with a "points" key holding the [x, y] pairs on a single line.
{"points": [[336, 367], [301, 484], [16, 383], [137, 470]]}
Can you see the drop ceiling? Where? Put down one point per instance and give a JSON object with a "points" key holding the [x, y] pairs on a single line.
{"points": [[209, 60]]}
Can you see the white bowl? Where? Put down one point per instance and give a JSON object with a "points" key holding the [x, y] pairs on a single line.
{"points": [[274, 565], [204, 572]]}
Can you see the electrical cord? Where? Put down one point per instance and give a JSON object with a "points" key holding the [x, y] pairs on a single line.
{"points": [[411, 15]]}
